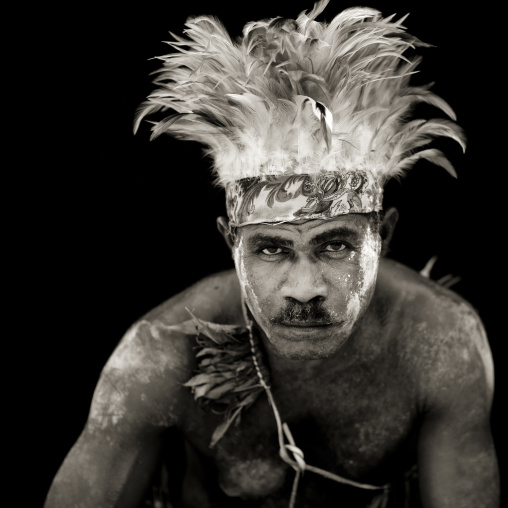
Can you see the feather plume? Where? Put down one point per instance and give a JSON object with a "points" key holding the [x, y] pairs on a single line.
{"points": [[299, 96]]}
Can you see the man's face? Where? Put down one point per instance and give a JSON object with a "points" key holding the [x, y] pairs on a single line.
{"points": [[307, 284]]}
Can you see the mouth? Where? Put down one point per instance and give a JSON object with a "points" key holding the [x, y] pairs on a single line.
{"points": [[308, 326]]}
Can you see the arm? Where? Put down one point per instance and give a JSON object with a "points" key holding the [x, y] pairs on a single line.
{"points": [[138, 397], [456, 455]]}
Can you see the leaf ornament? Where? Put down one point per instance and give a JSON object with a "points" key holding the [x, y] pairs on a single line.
{"points": [[226, 381]]}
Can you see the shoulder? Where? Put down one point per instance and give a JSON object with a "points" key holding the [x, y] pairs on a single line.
{"points": [[447, 371], [141, 384], [439, 335], [214, 298]]}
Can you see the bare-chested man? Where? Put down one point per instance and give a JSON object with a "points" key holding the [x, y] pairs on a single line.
{"points": [[341, 378]]}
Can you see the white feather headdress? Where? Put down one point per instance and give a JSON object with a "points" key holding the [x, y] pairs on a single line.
{"points": [[299, 96]]}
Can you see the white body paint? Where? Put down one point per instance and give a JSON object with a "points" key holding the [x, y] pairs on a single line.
{"points": [[134, 363], [127, 354]]}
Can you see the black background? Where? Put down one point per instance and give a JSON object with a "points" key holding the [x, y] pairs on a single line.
{"points": [[115, 224]]}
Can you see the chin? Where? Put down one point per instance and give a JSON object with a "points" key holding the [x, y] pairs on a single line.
{"points": [[307, 349], [304, 355]]}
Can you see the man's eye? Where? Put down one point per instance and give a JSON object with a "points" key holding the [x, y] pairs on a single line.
{"points": [[272, 251], [335, 247]]}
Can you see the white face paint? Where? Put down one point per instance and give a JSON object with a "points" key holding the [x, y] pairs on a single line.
{"points": [[248, 294], [238, 255], [361, 292]]}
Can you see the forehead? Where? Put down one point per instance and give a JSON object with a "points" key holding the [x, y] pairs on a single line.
{"points": [[305, 231]]}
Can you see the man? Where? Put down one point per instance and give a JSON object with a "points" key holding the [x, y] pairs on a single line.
{"points": [[318, 373]]}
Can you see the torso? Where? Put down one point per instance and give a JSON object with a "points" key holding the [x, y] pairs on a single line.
{"points": [[361, 434], [359, 421]]}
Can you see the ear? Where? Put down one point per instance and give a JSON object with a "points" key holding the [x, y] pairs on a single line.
{"points": [[223, 227], [387, 228]]}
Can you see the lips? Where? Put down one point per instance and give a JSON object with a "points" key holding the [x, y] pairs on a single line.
{"points": [[313, 328], [306, 324]]}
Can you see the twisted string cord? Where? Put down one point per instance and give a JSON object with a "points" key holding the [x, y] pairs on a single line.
{"points": [[296, 460]]}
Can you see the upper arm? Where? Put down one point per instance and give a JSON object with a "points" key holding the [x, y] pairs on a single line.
{"points": [[456, 456], [138, 396]]}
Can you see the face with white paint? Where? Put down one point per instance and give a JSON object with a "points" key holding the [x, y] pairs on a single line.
{"points": [[307, 284]]}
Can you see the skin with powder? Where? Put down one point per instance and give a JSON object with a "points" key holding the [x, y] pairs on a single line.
{"points": [[374, 368], [309, 279]]}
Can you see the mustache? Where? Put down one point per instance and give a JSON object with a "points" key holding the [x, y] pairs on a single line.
{"points": [[300, 313]]}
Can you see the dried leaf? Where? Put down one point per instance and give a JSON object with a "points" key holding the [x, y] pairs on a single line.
{"points": [[198, 380], [209, 351], [220, 390], [220, 334], [254, 381], [188, 327], [208, 362], [222, 428], [201, 390], [251, 397]]}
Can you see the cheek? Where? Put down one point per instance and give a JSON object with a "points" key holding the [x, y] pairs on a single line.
{"points": [[255, 286], [369, 259], [359, 285]]}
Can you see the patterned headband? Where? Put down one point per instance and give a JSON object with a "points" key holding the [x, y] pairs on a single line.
{"points": [[286, 198]]}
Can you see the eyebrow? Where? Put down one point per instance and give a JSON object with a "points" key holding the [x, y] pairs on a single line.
{"points": [[331, 234], [263, 239], [338, 232]]}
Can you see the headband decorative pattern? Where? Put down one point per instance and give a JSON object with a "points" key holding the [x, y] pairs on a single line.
{"points": [[286, 198]]}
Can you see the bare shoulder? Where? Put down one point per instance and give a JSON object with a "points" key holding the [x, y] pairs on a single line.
{"points": [[439, 333], [139, 396], [448, 372], [214, 298], [141, 384]]}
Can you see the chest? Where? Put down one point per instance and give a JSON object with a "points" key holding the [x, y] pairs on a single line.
{"points": [[360, 427]]}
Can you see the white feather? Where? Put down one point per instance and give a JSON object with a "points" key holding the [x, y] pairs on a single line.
{"points": [[299, 96]]}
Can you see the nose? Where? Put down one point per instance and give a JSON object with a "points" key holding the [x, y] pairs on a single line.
{"points": [[304, 282]]}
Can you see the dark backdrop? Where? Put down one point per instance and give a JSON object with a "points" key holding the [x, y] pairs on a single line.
{"points": [[118, 224]]}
